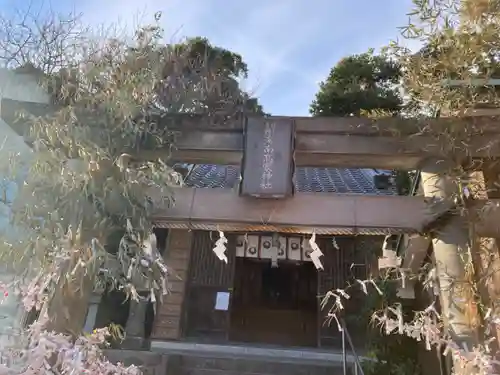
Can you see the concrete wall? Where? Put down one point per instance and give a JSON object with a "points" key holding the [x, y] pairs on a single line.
{"points": [[21, 87]]}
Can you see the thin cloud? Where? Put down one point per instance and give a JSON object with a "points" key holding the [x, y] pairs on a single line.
{"points": [[289, 45], [265, 34]]}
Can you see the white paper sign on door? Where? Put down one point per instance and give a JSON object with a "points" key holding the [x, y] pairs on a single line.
{"points": [[222, 301]]}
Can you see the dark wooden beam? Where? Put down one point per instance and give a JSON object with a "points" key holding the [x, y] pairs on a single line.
{"points": [[388, 126], [389, 143], [395, 126], [330, 150], [211, 209], [343, 142]]}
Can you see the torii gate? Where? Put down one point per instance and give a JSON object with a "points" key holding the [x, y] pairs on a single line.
{"points": [[268, 148]]}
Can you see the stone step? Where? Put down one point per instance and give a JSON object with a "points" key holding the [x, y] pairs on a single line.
{"points": [[279, 355], [194, 365], [150, 363]]}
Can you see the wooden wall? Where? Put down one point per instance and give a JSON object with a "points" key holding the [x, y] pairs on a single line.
{"points": [[341, 267], [284, 313], [207, 276], [199, 275], [167, 324]]}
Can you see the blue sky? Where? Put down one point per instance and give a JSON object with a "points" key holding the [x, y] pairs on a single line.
{"points": [[289, 45]]}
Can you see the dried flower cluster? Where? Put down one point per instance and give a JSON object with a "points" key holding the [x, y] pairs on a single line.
{"points": [[455, 74], [426, 326], [36, 350]]}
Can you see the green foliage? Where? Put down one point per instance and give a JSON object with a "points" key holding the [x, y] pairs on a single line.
{"points": [[404, 182], [460, 39], [359, 83], [218, 71], [221, 61], [207, 75], [392, 354]]}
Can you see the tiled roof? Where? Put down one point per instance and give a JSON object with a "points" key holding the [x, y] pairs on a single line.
{"points": [[307, 179]]}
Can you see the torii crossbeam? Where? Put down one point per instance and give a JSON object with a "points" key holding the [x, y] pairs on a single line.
{"points": [[390, 143]]}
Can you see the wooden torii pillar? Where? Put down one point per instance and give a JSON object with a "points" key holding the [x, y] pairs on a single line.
{"points": [[452, 253]]}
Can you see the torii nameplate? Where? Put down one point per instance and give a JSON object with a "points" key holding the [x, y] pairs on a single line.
{"points": [[268, 158]]}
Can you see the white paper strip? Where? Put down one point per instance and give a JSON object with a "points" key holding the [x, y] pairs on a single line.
{"points": [[316, 253], [220, 247]]}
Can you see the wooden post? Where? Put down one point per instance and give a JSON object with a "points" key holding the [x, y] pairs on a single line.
{"points": [[484, 185], [167, 324], [452, 255], [93, 307], [67, 310], [135, 328]]}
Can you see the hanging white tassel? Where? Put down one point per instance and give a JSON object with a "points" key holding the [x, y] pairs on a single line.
{"points": [[339, 326], [389, 257], [316, 253], [362, 283], [407, 289], [488, 314], [431, 281], [335, 244], [274, 257], [376, 287], [399, 315], [403, 278], [343, 293], [220, 247], [149, 247], [275, 245], [130, 268]]}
